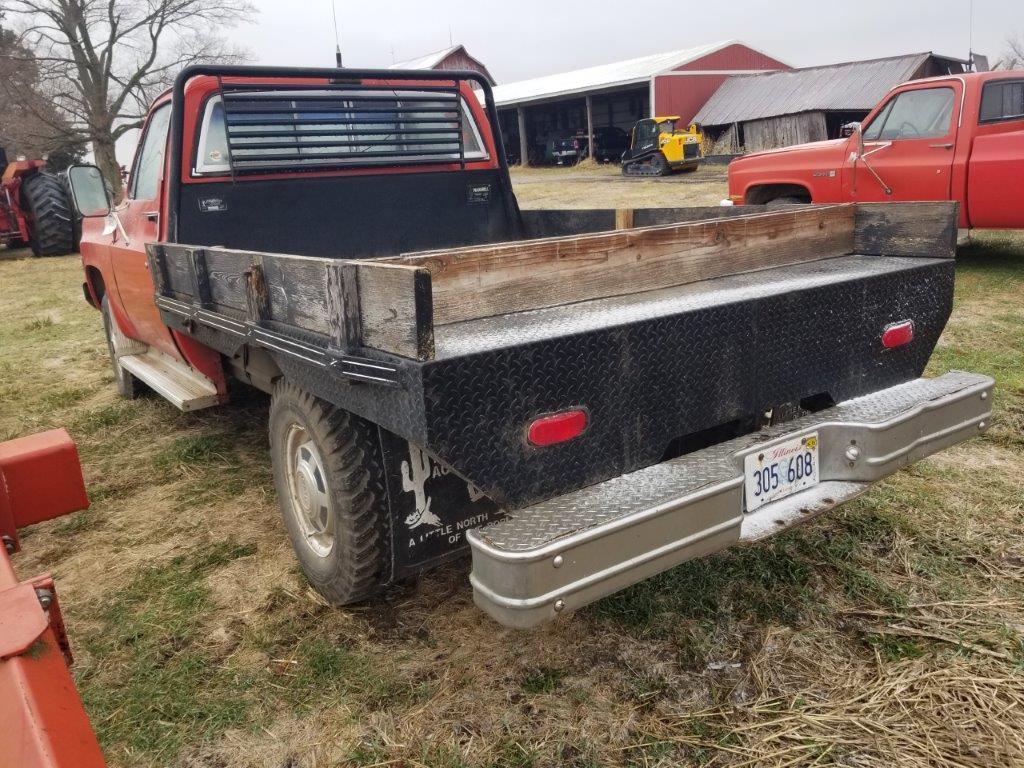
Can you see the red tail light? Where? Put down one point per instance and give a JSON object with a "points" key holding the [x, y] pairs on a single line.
{"points": [[898, 334], [558, 428]]}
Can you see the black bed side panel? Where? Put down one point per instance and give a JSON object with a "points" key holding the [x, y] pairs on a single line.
{"points": [[650, 382], [351, 216]]}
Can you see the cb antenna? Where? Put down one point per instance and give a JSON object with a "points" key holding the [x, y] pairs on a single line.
{"points": [[970, 37], [337, 37]]}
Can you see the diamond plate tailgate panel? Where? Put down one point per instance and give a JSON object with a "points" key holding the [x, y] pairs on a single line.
{"points": [[654, 367]]}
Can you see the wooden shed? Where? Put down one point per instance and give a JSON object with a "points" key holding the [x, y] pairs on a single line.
{"points": [[753, 112]]}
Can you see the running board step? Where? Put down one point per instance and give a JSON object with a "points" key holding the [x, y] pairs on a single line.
{"points": [[561, 554], [183, 386]]}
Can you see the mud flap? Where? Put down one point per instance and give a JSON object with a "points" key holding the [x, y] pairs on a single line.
{"points": [[431, 508]]}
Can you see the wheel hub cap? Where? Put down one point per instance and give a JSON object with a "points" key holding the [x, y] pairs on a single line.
{"points": [[310, 500]]}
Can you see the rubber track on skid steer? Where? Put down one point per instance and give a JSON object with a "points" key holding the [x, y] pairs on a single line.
{"points": [[641, 167]]}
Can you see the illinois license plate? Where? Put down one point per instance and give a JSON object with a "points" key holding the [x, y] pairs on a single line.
{"points": [[781, 470]]}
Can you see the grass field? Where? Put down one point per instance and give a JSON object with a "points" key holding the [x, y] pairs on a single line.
{"points": [[890, 632]]}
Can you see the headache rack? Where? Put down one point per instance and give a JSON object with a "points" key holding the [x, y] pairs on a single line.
{"points": [[284, 128], [351, 118]]}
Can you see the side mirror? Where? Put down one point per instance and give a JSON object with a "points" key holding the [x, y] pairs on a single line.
{"points": [[88, 191], [848, 129]]}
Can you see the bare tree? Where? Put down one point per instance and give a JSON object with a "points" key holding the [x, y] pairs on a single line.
{"points": [[22, 132], [1013, 56], [100, 63]]}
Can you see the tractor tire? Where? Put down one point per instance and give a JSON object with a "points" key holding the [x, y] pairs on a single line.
{"points": [[52, 227], [127, 385], [782, 202], [329, 476]]}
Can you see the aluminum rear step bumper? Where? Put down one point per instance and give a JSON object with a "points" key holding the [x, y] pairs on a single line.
{"points": [[561, 554]]}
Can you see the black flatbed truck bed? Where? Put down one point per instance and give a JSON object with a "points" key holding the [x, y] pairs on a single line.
{"points": [[675, 332]]}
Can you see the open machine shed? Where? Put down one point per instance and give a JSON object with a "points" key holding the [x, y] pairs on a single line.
{"points": [[620, 93]]}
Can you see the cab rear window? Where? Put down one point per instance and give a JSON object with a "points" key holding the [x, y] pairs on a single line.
{"points": [[310, 129], [1002, 101]]}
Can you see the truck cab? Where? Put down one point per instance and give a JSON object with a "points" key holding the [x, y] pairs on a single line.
{"points": [[947, 138]]}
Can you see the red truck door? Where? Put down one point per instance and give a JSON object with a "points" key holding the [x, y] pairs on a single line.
{"points": [[995, 192], [139, 215], [909, 146]]}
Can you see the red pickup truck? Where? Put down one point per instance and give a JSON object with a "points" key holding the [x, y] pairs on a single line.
{"points": [[959, 138], [449, 373]]}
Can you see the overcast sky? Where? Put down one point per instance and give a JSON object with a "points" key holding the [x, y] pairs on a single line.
{"points": [[524, 38], [518, 39]]}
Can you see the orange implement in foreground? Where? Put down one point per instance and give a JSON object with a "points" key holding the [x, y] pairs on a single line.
{"points": [[45, 724]]}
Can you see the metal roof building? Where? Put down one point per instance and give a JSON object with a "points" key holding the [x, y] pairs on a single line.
{"points": [[619, 93], [762, 111]]}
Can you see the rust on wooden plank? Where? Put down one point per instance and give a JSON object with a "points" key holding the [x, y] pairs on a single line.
{"points": [[257, 297]]}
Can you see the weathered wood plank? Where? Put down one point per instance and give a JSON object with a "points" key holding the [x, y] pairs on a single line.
{"points": [[384, 306], [226, 273], [200, 276], [297, 291], [907, 229], [623, 218], [653, 217], [177, 270], [512, 277], [396, 311], [343, 318]]}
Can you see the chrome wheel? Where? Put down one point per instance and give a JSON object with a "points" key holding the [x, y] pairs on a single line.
{"points": [[307, 486]]}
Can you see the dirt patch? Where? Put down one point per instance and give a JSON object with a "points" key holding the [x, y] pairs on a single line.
{"points": [[603, 186]]}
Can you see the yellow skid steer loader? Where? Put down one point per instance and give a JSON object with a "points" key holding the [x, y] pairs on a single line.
{"points": [[656, 148]]}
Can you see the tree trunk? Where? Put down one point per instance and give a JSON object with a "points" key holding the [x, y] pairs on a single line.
{"points": [[103, 150]]}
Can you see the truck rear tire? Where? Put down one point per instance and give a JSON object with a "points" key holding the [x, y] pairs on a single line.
{"points": [[52, 229], [330, 483], [127, 385]]}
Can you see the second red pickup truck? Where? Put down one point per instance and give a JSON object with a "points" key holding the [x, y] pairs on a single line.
{"points": [[959, 138]]}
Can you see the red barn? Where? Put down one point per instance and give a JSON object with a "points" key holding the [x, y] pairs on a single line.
{"points": [[619, 94], [455, 57]]}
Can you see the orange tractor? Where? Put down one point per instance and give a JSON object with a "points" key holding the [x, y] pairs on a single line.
{"points": [[34, 209]]}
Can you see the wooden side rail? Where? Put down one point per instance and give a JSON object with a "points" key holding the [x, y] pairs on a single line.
{"points": [[482, 281], [353, 303]]}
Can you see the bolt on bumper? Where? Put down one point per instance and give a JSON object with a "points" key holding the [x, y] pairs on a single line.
{"points": [[566, 552]]}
